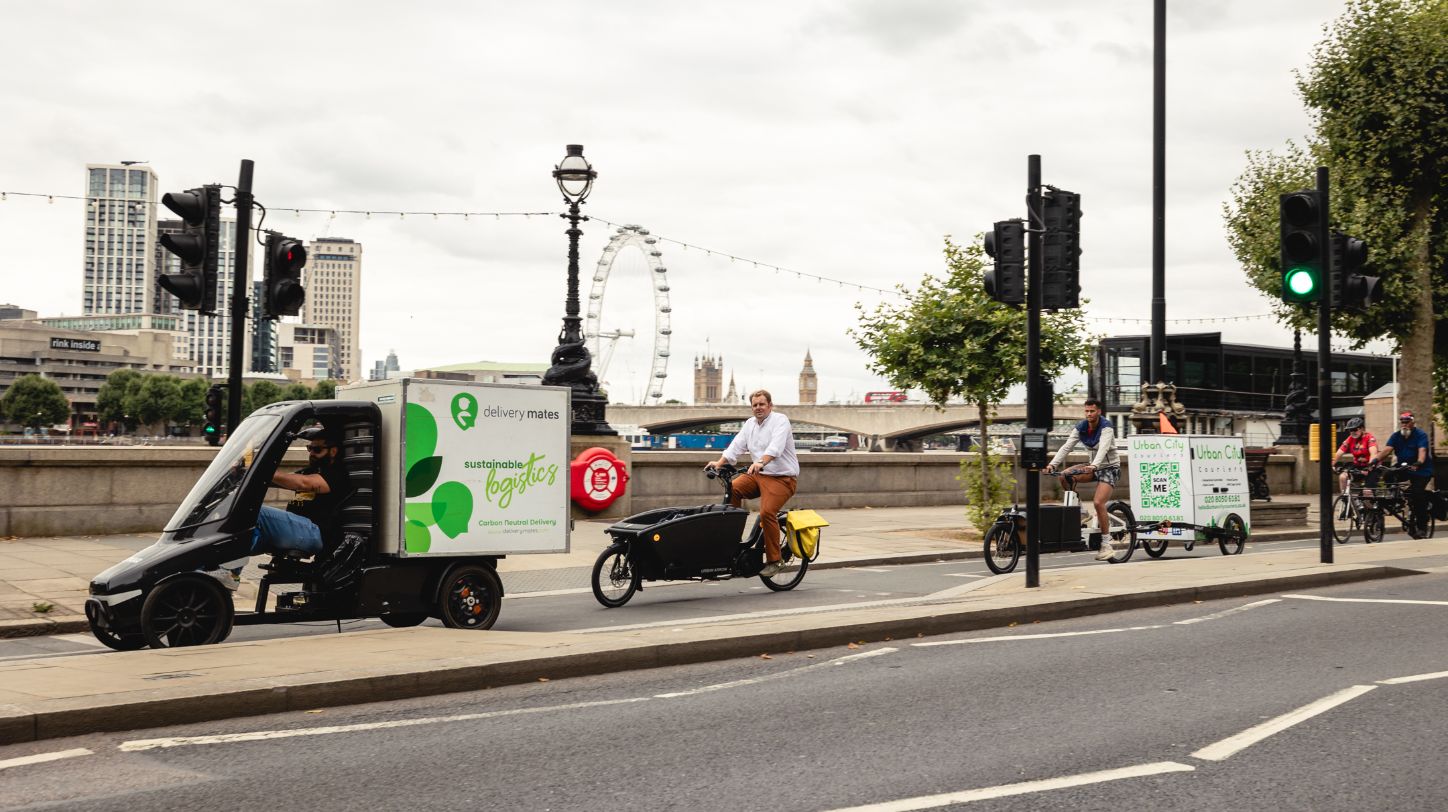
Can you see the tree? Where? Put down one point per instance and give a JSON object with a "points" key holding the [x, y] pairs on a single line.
{"points": [[259, 394], [193, 401], [156, 400], [951, 340], [111, 399], [1378, 92], [35, 401], [325, 390], [297, 391]]}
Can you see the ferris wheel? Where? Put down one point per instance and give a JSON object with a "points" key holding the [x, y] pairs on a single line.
{"points": [[624, 238]]}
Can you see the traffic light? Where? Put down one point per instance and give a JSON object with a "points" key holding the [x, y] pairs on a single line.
{"points": [[282, 292], [196, 245], [211, 430], [1351, 289], [1006, 282], [1061, 250], [1304, 263]]}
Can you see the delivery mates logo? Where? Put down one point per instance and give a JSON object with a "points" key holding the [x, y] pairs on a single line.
{"points": [[465, 410]]}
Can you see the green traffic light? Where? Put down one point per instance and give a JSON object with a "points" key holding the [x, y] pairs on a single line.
{"points": [[210, 429], [1301, 282]]}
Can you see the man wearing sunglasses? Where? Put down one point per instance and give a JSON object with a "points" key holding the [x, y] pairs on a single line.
{"points": [[311, 516], [1410, 446]]}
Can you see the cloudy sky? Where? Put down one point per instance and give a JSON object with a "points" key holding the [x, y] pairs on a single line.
{"points": [[841, 139]]}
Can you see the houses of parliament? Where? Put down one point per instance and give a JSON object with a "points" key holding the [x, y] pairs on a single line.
{"points": [[709, 382]]}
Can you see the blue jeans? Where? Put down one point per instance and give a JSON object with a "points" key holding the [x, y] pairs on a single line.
{"points": [[279, 531]]}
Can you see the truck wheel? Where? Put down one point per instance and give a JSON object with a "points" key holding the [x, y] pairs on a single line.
{"points": [[471, 598], [187, 611]]}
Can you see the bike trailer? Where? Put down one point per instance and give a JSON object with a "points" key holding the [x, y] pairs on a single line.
{"points": [[1440, 505], [802, 531]]}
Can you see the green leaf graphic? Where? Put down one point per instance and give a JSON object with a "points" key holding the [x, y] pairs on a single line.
{"points": [[421, 513], [452, 506], [421, 435], [418, 538], [421, 476]]}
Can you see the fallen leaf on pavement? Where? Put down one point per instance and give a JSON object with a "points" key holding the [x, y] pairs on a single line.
{"points": [[765, 657]]}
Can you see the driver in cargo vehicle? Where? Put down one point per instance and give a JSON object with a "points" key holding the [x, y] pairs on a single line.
{"points": [[312, 515]]}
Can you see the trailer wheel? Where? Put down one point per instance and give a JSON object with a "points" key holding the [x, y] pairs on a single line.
{"points": [[471, 598], [1234, 535], [188, 611]]}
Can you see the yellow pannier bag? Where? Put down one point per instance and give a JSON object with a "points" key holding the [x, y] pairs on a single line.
{"points": [[802, 531]]}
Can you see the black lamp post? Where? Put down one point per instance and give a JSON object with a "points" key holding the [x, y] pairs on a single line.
{"points": [[571, 362]]}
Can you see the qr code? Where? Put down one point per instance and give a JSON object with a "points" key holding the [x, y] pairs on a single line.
{"points": [[1161, 485]]}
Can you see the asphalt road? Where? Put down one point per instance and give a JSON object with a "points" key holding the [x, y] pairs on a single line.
{"points": [[1329, 700], [664, 602]]}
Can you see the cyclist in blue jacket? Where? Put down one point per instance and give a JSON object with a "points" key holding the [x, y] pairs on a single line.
{"points": [[1098, 435], [1410, 445]]}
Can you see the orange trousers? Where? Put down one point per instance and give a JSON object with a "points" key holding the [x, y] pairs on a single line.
{"points": [[773, 492]]}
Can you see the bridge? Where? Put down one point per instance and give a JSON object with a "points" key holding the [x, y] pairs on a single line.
{"points": [[886, 427]]}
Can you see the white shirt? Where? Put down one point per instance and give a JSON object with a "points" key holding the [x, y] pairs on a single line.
{"points": [[773, 438]]}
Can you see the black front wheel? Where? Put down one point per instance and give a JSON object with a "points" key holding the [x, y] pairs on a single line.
{"points": [[118, 641], [1002, 549], [471, 598], [1344, 518], [1234, 535], [615, 578], [192, 610]]}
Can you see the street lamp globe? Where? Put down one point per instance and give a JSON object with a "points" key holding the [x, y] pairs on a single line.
{"points": [[574, 175]]}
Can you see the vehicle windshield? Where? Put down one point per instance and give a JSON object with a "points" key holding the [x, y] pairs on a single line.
{"points": [[212, 495]]}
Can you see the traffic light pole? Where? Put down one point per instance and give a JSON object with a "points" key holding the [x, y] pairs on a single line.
{"points": [[239, 299], [1324, 376], [1034, 277]]}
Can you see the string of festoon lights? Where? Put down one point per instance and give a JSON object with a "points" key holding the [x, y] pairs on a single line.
{"points": [[466, 216]]}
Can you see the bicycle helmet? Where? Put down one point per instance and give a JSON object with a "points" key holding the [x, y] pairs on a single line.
{"points": [[1354, 424]]}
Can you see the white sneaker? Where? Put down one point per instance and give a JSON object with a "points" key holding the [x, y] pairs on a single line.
{"points": [[1107, 550], [771, 569]]}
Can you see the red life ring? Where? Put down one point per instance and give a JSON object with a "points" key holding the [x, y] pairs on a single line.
{"points": [[597, 478]]}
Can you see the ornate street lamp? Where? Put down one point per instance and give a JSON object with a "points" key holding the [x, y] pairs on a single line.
{"points": [[571, 362]]}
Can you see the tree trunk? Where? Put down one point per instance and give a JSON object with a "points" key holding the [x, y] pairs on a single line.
{"points": [[985, 466], [1415, 350]]}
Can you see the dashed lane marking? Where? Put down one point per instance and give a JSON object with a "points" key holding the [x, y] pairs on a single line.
{"points": [[41, 758], [1023, 788], [1241, 741]]}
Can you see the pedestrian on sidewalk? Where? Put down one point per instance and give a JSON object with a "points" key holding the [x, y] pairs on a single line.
{"points": [[772, 476]]}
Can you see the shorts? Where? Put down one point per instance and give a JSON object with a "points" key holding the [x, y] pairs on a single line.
{"points": [[1108, 474]]}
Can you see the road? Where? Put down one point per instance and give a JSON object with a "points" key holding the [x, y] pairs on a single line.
{"points": [[1329, 700]]}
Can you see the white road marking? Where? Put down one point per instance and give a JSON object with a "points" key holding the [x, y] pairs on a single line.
{"points": [[871, 569], [1023, 788], [137, 745], [740, 683], [1366, 600], [1241, 741], [1414, 678], [1225, 612], [41, 758], [1012, 637], [964, 575]]}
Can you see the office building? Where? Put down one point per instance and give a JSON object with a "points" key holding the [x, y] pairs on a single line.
{"points": [[333, 280], [308, 352], [120, 239]]}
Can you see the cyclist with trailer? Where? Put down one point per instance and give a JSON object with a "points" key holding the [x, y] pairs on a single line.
{"points": [[1097, 434]]}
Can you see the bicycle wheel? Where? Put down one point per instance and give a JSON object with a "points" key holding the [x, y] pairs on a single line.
{"points": [[615, 579], [1156, 548], [1344, 518], [788, 578], [1123, 531], [1234, 535], [1372, 522], [1002, 549]]}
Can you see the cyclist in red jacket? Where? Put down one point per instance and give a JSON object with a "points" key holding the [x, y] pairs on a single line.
{"points": [[1360, 446]]}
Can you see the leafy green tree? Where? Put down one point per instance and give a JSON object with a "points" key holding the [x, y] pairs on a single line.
{"points": [[297, 391], [1377, 90], [951, 340], [325, 390], [35, 401], [156, 400], [259, 394], [112, 398], [193, 401]]}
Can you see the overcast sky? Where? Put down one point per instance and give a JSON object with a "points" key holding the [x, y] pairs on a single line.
{"points": [[842, 139]]}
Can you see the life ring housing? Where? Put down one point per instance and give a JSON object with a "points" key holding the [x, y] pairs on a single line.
{"points": [[597, 478]]}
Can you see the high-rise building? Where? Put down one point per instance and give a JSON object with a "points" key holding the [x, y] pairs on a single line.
{"points": [[263, 334], [333, 280], [120, 240], [386, 370], [307, 351], [809, 385], [708, 380]]}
